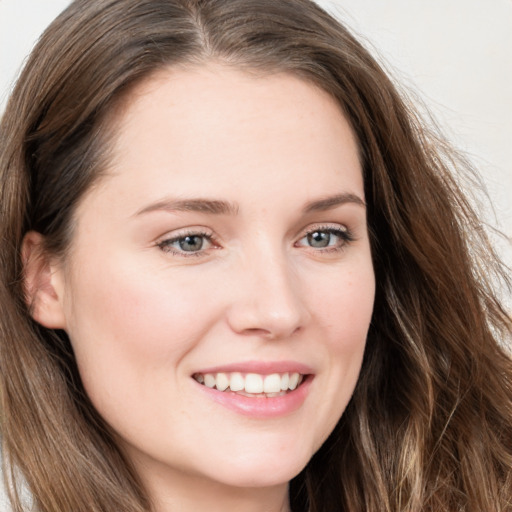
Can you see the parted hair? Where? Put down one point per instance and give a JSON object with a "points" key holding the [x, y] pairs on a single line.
{"points": [[429, 427]]}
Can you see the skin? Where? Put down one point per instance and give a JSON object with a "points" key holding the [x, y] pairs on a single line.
{"points": [[143, 316]]}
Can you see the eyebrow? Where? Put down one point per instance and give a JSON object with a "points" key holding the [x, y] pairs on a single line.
{"points": [[220, 207], [214, 206], [331, 202]]}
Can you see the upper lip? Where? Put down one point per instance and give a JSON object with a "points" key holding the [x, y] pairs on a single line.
{"points": [[259, 367]]}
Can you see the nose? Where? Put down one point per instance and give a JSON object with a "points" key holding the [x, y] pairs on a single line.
{"points": [[267, 299]]}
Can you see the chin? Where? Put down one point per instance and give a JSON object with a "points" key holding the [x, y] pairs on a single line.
{"points": [[264, 472]]}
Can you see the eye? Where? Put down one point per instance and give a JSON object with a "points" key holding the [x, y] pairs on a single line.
{"points": [[187, 244], [326, 238]]}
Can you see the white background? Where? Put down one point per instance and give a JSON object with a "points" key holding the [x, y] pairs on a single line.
{"points": [[457, 54]]}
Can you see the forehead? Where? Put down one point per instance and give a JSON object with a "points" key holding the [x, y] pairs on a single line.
{"points": [[187, 130]]}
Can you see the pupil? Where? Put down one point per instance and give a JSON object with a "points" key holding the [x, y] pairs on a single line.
{"points": [[191, 243], [319, 239]]}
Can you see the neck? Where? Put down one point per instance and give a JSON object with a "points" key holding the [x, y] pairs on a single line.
{"points": [[189, 494]]}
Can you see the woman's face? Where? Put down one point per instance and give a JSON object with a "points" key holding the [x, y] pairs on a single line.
{"points": [[227, 248]]}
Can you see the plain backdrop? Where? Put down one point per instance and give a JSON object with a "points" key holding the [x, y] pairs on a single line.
{"points": [[456, 55]]}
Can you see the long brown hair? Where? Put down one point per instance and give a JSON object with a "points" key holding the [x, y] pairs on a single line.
{"points": [[430, 424]]}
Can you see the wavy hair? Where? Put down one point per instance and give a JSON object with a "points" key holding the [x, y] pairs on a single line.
{"points": [[429, 426]]}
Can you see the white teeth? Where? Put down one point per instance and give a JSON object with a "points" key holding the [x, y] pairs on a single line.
{"points": [[275, 384], [237, 382], [285, 380], [294, 380], [209, 380], [272, 383], [222, 381], [253, 383]]}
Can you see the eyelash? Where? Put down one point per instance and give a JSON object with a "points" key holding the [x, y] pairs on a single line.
{"points": [[166, 245], [344, 234]]}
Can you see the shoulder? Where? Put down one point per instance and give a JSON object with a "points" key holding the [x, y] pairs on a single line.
{"points": [[4, 501], [5, 505]]}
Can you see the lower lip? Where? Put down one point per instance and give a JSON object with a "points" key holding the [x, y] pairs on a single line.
{"points": [[261, 407]]}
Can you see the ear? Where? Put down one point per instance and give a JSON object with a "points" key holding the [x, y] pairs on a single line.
{"points": [[43, 282]]}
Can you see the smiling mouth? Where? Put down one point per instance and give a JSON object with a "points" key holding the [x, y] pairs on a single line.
{"points": [[252, 384]]}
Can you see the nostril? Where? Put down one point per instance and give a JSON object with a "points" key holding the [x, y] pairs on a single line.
{"points": [[267, 302], [271, 334]]}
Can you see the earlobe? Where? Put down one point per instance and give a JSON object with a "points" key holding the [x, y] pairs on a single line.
{"points": [[42, 281]]}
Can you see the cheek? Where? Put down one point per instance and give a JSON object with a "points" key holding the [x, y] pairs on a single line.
{"points": [[342, 304], [344, 307], [345, 312], [133, 308], [135, 330]]}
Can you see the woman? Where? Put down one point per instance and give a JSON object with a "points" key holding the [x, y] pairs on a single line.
{"points": [[237, 273]]}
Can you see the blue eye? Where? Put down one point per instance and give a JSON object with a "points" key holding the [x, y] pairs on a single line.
{"points": [[326, 238], [320, 239], [192, 243]]}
